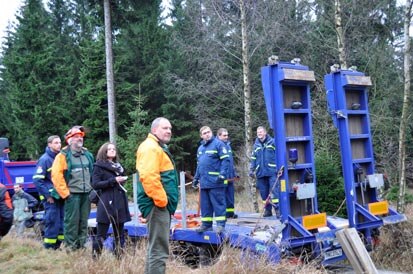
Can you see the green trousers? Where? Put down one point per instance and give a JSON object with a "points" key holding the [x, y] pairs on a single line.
{"points": [[77, 209], [159, 221]]}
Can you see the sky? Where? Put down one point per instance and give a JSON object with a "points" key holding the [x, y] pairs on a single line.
{"points": [[8, 9]]}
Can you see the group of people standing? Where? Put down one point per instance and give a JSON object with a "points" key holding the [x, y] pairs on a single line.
{"points": [[216, 174], [65, 176]]}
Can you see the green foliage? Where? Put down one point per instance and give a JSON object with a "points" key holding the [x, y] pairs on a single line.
{"points": [[36, 80], [330, 184], [136, 133], [393, 195]]}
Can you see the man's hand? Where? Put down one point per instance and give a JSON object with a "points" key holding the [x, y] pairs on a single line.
{"points": [[50, 200], [195, 184], [220, 179]]}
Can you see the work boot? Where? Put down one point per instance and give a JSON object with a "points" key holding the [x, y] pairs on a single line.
{"points": [[202, 229], [232, 216], [267, 213], [220, 229]]}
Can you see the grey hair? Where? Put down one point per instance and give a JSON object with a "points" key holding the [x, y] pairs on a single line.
{"points": [[157, 121]]}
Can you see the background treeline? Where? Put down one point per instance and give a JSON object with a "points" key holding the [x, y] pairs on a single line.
{"points": [[190, 71]]}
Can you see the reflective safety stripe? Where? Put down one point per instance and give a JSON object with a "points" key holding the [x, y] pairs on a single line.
{"points": [[49, 169], [50, 241], [206, 219], [39, 177], [258, 148], [274, 201], [211, 151], [213, 173], [60, 237], [220, 218], [273, 165], [41, 197], [225, 182], [224, 156], [254, 158], [271, 147], [230, 209]]}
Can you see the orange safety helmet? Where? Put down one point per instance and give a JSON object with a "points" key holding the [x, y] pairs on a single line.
{"points": [[73, 131]]}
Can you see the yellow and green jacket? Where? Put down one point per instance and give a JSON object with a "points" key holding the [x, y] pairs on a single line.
{"points": [[158, 178]]}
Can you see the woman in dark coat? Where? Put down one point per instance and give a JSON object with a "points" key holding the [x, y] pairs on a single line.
{"points": [[108, 177]]}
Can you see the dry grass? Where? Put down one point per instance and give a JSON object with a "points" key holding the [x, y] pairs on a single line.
{"points": [[19, 256], [26, 255], [395, 250]]}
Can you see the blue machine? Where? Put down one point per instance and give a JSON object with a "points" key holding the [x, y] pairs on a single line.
{"points": [[286, 88], [348, 106]]}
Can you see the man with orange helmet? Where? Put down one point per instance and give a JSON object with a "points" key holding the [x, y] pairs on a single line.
{"points": [[71, 176]]}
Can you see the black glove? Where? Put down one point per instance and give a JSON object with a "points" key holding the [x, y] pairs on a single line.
{"points": [[195, 184]]}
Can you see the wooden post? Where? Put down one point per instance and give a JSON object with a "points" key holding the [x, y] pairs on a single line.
{"points": [[356, 251]]}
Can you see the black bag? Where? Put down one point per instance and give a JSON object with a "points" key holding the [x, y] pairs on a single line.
{"points": [[94, 196], [29, 223]]}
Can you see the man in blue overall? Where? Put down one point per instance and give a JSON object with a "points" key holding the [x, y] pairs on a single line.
{"points": [[53, 205], [263, 167], [222, 135], [211, 173]]}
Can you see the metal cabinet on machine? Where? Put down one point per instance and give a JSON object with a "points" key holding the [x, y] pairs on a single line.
{"points": [[348, 106], [286, 88]]}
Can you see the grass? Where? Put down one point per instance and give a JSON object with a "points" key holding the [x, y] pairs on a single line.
{"points": [[27, 255]]}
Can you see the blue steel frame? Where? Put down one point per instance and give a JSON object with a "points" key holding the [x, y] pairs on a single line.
{"points": [[274, 80], [338, 84]]}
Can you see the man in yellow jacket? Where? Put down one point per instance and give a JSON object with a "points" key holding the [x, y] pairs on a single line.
{"points": [[157, 192]]}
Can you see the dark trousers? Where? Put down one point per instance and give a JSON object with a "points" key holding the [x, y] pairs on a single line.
{"points": [[230, 199], [53, 221], [265, 185], [102, 234], [213, 202], [5, 226]]}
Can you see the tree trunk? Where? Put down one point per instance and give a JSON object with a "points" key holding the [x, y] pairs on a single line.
{"points": [[405, 115], [341, 46], [247, 101], [109, 73]]}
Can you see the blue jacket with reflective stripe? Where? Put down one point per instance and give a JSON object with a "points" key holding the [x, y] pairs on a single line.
{"points": [[231, 169], [263, 158], [213, 161], [42, 178]]}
